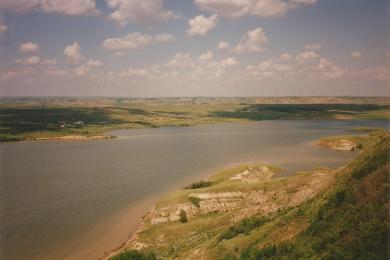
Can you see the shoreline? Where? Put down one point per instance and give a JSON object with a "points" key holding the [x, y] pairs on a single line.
{"points": [[65, 138], [129, 243], [102, 136]]}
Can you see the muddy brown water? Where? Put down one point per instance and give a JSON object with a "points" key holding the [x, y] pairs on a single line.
{"points": [[77, 200]]}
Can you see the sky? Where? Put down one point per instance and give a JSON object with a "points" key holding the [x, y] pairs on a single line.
{"points": [[168, 48]]}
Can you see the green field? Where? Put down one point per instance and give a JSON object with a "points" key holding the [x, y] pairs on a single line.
{"points": [[30, 118]]}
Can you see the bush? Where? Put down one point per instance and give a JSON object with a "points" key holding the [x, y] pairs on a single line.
{"points": [[242, 227], [198, 185], [134, 255], [195, 201], [183, 216]]}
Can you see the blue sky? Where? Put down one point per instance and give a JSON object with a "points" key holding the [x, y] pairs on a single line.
{"points": [[194, 47]]}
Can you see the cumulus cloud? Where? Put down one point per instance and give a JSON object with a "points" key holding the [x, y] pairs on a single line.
{"points": [[94, 63], [69, 7], [73, 54], [253, 41], [313, 47], [29, 61], [8, 75], [146, 12], [356, 55], [81, 70], [203, 67], [151, 72], [181, 60], [28, 47], [201, 25], [3, 27], [206, 56], [379, 72], [271, 69], [328, 70], [307, 55], [49, 62], [228, 62], [223, 45], [285, 67], [285, 56], [135, 41], [259, 8]]}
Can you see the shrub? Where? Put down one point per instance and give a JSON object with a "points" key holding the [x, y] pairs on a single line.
{"points": [[183, 216], [134, 255], [195, 201], [198, 185], [242, 227]]}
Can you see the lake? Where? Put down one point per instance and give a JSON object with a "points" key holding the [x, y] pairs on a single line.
{"points": [[77, 200]]}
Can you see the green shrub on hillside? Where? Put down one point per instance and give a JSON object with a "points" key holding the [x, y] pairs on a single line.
{"points": [[195, 201], [134, 255], [198, 185], [183, 216], [242, 227]]}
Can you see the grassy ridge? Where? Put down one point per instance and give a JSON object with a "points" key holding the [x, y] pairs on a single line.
{"points": [[346, 219], [350, 221]]}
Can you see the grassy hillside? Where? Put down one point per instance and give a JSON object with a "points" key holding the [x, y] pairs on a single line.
{"points": [[22, 119], [322, 214]]}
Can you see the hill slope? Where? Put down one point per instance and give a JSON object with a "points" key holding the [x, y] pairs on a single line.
{"points": [[322, 214]]}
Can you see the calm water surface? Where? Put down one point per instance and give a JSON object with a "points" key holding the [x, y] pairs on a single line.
{"points": [[77, 200]]}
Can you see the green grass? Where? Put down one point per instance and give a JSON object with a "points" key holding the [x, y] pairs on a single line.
{"points": [[349, 221], [371, 136]]}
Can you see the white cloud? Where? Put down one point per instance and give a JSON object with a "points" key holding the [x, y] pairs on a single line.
{"points": [[271, 69], [181, 60], [29, 47], [206, 56], [33, 60], [268, 8], [49, 62], [136, 72], [3, 27], [285, 56], [204, 67], [69, 7], [94, 63], [135, 41], [82, 70], [164, 37], [223, 46], [253, 41], [73, 54], [228, 62], [146, 12], [328, 70], [313, 47], [307, 55], [259, 8], [201, 25], [8, 75], [379, 72], [356, 55]]}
